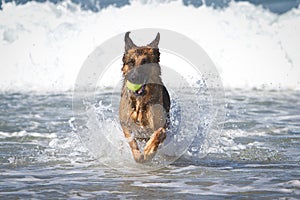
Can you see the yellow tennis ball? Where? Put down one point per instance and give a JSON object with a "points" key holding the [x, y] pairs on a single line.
{"points": [[132, 86]]}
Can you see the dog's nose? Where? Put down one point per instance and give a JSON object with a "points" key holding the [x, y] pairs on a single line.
{"points": [[137, 75], [134, 75]]}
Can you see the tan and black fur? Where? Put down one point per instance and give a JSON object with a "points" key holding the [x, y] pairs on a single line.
{"points": [[144, 116]]}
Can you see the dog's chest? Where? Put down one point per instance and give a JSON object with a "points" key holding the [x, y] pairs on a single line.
{"points": [[138, 112]]}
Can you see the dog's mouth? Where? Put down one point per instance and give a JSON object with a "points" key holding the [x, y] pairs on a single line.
{"points": [[141, 91], [137, 89]]}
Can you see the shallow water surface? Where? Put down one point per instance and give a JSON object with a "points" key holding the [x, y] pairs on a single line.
{"points": [[256, 155]]}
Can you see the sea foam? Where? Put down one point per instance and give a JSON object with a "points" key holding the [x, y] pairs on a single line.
{"points": [[44, 45]]}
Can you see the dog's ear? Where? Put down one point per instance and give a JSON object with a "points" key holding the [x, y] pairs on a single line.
{"points": [[154, 43], [128, 42]]}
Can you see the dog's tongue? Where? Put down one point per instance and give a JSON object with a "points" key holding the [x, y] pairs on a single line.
{"points": [[140, 91]]}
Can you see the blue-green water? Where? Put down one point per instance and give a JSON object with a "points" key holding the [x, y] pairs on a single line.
{"points": [[256, 155]]}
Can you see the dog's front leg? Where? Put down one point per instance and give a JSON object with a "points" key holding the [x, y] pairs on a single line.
{"points": [[151, 146], [133, 145], [157, 121]]}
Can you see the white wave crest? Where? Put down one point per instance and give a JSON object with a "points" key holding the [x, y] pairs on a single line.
{"points": [[43, 45]]}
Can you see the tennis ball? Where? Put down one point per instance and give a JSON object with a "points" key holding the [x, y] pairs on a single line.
{"points": [[132, 86]]}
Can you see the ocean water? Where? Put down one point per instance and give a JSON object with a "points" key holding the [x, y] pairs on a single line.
{"points": [[256, 155], [253, 154]]}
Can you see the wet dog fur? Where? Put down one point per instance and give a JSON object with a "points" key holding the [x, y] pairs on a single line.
{"points": [[144, 114]]}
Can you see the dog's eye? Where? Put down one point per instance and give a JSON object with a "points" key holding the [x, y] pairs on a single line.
{"points": [[131, 62]]}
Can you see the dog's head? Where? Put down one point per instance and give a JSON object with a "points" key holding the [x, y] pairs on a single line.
{"points": [[136, 56]]}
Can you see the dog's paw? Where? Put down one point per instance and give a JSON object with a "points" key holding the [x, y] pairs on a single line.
{"points": [[151, 146], [149, 150]]}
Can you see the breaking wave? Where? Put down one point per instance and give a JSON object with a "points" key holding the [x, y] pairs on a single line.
{"points": [[43, 45]]}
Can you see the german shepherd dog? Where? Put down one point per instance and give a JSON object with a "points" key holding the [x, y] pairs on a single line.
{"points": [[145, 102]]}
